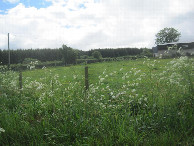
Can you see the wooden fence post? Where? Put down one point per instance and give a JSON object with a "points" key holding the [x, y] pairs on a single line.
{"points": [[52, 85], [20, 80], [86, 78]]}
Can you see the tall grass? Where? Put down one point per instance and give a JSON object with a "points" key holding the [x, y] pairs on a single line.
{"points": [[143, 102]]}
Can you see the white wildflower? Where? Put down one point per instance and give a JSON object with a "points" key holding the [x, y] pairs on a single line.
{"points": [[133, 90], [101, 79], [44, 67], [2, 130], [74, 76]]}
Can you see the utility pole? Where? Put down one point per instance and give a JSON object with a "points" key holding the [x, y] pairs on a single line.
{"points": [[8, 53]]}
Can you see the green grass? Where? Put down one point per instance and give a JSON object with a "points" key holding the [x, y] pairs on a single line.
{"points": [[136, 102]]}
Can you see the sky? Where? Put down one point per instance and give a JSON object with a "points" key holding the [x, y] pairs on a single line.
{"points": [[92, 24]]}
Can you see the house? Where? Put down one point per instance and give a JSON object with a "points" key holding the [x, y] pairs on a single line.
{"points": [[187, 48]]}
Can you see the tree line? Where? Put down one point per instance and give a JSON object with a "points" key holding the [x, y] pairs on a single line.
{"points": [[69, 55], [65, 54]]}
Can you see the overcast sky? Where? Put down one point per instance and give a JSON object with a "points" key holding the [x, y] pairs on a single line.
{"points": [[90, 24]]}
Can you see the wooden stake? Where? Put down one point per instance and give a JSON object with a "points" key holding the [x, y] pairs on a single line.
{"points": [[20, 80], [86, 78]]}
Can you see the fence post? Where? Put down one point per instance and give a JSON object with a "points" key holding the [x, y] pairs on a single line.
{"points": [[20, 79], [86, 78]]}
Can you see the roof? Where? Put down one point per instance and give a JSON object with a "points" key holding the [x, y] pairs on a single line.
{"points": [[175, 43]]}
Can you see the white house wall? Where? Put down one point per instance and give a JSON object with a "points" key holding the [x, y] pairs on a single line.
{"points": [[191, 51]]}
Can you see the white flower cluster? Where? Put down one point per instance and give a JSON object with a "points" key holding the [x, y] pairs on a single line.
{"points": [[113, 88], [32, 65]]}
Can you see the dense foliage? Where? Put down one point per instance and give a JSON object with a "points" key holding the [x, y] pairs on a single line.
{"points": [[136, 102], [66, 54], [18, 56], [167, 35], [97, 55], [69, 55]]}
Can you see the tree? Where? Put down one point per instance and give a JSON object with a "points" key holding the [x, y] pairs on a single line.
{"points": [[146, 52], [97, 55], [167, 35], [69, 55]]}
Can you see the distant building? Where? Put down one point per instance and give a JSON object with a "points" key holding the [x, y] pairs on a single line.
{"points": [[155, 51], [188, 48]]}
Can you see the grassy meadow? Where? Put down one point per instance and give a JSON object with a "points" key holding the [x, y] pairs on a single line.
{"points": [[129, 102]]}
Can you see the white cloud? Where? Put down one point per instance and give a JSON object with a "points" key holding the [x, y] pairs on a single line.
{"points": [[11, 1], [87, 24]]}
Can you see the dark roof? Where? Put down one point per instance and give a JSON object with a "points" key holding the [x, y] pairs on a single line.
{"points": [[173, 43]]}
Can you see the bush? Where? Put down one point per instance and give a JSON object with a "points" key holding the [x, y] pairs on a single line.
{"points": [[30, 60], [97, 55]]}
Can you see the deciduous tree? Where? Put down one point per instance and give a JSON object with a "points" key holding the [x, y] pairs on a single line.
{"points": [[167, 35]]}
